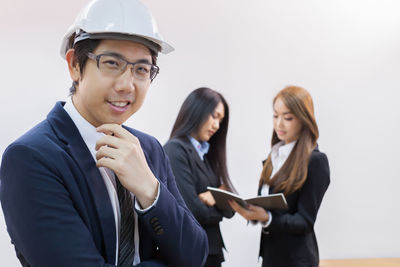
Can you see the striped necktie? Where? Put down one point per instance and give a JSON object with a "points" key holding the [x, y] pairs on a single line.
{"points": [[126, 249]]}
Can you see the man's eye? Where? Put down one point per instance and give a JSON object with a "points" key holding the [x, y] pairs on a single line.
{"points": [[142, 69], [109, 63]]}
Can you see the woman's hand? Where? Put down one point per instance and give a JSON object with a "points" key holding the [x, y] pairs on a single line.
{"points": [[251, 213], [223, 187], [207, 198]]}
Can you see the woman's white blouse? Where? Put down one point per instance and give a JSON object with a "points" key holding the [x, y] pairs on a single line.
{"points": [[279, 154]]}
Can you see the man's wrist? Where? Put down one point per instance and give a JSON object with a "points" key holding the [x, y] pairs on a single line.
{"points": [[147, 193], [138, 206]]}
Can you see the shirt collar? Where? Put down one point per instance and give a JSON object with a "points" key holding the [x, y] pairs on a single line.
{"points": [[87, 130], [201, 148], [282, 150]]}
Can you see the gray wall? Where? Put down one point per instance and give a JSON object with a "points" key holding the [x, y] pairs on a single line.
{"points": [[345, 52]]}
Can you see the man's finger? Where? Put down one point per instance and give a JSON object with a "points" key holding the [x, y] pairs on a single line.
{"points": [[108, 140], [107, 163], [114, 129], [108, 129], [106, 151]]}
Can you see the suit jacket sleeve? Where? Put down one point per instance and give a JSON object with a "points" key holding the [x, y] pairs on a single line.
{"points": [[184, 173], [309, 201], [181, 240], [40, 214]]}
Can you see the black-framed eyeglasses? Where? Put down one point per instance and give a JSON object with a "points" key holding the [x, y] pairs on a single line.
{"points": [[114, 64]]}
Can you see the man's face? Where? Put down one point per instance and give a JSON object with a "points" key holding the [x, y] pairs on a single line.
{"points": [[108, 98]]}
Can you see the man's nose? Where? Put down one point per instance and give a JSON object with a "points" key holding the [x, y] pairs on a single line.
{"points": [[126, 81]]}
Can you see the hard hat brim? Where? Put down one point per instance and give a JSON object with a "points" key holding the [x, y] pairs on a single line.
{"points": [[116, 36], [152, 44]]}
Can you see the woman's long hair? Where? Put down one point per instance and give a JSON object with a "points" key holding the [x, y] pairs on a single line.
{"points": [[293, 173], [195, 111]]}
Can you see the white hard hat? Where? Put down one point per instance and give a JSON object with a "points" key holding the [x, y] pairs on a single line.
{"points": [[116, 19]]}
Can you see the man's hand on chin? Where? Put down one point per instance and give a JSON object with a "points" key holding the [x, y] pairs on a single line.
{"points": [[120, 151]]}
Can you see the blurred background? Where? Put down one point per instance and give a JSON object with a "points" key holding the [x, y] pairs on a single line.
{"points": [[346, 53]]}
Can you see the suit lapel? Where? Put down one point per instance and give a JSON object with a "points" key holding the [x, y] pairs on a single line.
{"points": [[194, 155], [76, 147], [201, 165]]}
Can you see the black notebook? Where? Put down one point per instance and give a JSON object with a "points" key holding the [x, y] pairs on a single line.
{"points": [[269, 202]]}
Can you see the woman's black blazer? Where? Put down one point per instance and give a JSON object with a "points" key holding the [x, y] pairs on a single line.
{"points": [[290, 239], [193, 175]]}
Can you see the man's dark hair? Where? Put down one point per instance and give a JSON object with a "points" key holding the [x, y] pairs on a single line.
{"points": [[195, 111], [82, 48]]}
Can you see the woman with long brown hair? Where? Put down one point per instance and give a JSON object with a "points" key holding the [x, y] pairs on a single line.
{"points": [[296, 168], [197, 153]]}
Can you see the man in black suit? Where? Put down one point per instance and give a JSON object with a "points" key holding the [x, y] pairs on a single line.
{"points": [[81, 189]]}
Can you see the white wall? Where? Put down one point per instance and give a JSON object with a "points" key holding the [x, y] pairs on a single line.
{"points": [[345, 52]]}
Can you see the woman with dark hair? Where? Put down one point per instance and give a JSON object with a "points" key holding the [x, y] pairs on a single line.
{"points": [[197, 153], [296, 168]]}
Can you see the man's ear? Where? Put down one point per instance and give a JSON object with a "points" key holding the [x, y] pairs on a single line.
{"points": [[73, 66]]}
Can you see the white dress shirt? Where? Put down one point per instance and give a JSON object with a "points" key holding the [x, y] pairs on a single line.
{"points": [[90, 136], [279, 154]]}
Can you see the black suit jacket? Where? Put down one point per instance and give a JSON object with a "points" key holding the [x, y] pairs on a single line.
{"points": [[58, 211], [192, 178], [290, 240]]}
